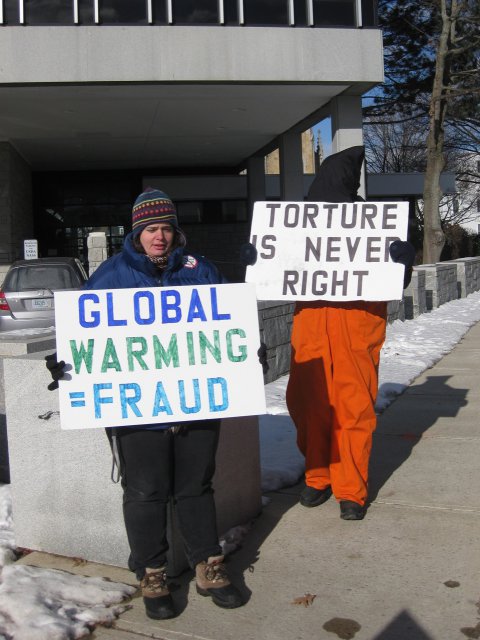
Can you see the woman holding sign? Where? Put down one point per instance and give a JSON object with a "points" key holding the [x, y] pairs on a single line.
{"points": [[333, 380], [160, 461]]}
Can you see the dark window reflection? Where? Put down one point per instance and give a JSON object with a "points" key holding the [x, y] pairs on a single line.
{"points": [[38, 12], [230, 11], [337, 13], [266, 12], [123, 12], [10, 12], [68, 206], [85, 12], [159, 10], [369, 13], [300, 9], [195, 11]]}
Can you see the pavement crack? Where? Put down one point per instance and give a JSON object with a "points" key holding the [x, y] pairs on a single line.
{"points": [[427, 507]]}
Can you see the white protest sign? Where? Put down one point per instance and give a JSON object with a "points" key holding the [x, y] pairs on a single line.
{"points": [[146, 356], [327, 251]]}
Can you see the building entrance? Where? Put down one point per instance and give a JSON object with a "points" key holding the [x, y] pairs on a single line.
{"points": [[69, 206]]}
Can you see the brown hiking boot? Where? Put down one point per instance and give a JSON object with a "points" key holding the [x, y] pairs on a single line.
{"points": [[156, 595], [212, 580]]}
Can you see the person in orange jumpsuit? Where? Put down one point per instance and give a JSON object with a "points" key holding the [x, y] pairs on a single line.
{"points": [[333, 380]]}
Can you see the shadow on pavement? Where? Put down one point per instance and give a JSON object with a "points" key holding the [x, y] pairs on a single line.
{"points": [[404, 422], [243, 560], [402, 627]]}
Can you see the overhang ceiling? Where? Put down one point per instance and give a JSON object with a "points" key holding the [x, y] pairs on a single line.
{"points": [[128, 126]]}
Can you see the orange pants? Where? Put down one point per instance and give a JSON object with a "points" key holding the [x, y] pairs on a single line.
{"points": [[332, 390]]}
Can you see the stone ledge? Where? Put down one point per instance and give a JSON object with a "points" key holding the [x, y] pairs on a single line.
{"points": [[11, 345]]}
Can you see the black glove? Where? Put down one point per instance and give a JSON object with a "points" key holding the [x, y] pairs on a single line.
{"points": [[262, 357], [56, 370], [403, 252], [248, 254]]}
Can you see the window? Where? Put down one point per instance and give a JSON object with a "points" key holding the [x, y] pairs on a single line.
{"points": [[300, 9], [48, 12], [266, 12], [230, 12], [10, 12], [335, 13], [43, 277], [159, 10], [85, 11], [195, 12], [122, 12], [369, 13], [211, 211], [189, 212]]}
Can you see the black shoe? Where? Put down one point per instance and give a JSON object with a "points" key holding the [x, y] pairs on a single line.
{"points": [[311, 497], [350, 510], [156, 595], [160, 608], [212, 580], [226, 597]]}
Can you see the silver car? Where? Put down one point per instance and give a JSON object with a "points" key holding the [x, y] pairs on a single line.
{"points": [[26, 295]]}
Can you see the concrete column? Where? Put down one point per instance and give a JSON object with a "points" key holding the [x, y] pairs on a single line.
{"points": [[256, 188], [97, 250], [346, 113], [291, 167], [16, 211]]}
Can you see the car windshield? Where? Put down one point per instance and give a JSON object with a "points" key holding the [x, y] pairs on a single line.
{"points": [[52, 277]]}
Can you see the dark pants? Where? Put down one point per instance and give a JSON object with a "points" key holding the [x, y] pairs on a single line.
{"points": [[156, 466]]}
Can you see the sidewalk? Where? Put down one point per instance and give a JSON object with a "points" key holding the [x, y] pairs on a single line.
{"points": [[409, 571]]}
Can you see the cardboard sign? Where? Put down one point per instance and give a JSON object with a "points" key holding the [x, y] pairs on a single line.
{"points": [[327, 251], [159, 355]]}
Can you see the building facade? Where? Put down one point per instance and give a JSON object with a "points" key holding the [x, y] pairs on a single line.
{"points": [[101, 98]]}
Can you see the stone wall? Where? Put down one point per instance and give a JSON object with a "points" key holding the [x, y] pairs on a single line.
{"points": [[414, 296], [440, 284], [468, 275], [435, 284]]}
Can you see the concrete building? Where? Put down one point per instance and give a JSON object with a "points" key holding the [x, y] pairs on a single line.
{"points": [[100, 98]]}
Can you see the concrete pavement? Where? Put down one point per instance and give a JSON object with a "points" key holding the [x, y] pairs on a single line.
{"points": [[409, 571]]}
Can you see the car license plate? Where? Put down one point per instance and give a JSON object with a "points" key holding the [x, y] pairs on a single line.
{"points": [[41, 304]]}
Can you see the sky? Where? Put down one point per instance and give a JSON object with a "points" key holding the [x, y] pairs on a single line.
{"points": [[324, 130], [43, 604]]}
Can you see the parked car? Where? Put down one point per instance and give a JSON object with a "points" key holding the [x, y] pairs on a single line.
{"points": [[26, 295]]}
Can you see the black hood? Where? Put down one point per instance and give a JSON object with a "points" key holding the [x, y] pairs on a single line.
{"points": [[338, 178]]}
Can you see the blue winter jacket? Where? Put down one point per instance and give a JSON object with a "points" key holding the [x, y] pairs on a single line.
{"points": [[130, 269]]}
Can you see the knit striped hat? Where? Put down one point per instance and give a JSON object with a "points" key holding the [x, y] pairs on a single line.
{"points": [[154, 207]]}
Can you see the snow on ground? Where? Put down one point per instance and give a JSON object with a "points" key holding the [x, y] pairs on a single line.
{"points": [[41, 604], [17, 334]]}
